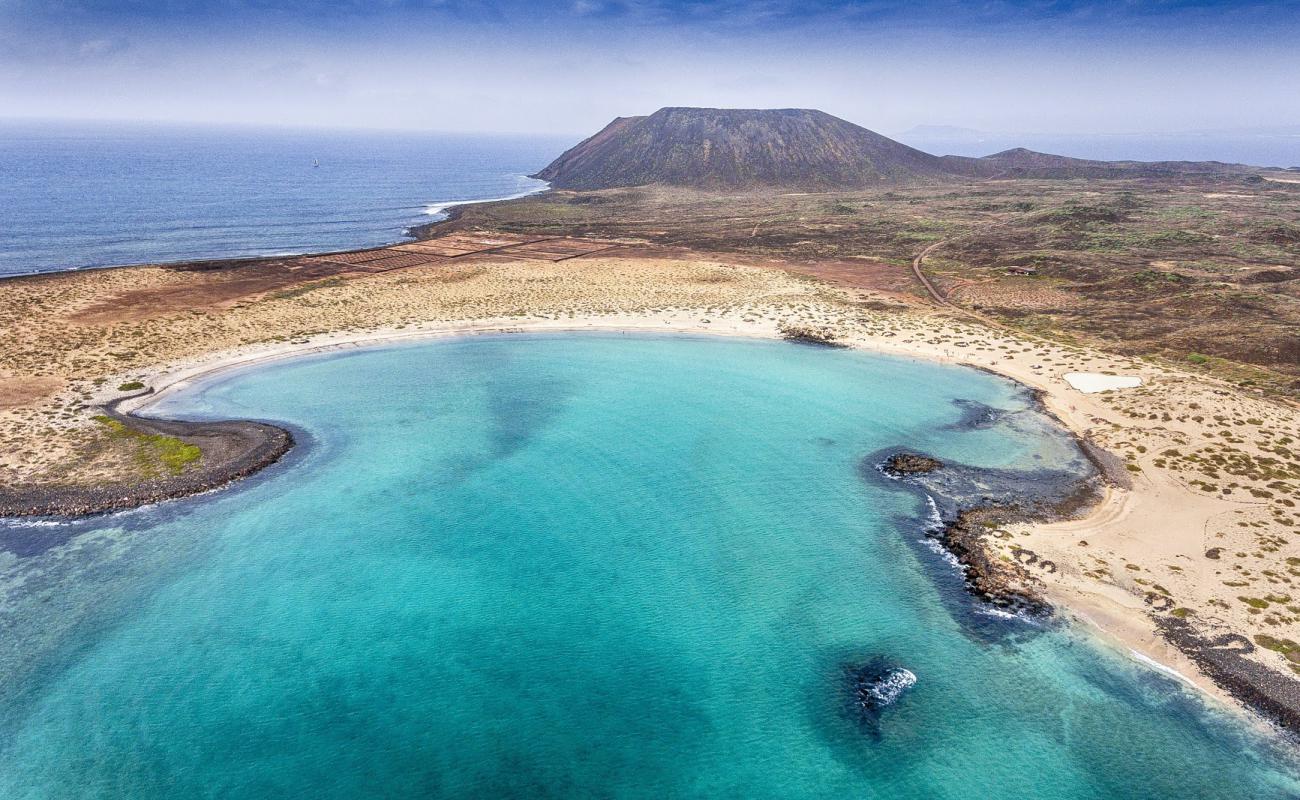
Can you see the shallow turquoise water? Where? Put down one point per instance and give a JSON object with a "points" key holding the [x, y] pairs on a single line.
{"points": [[570, 566]]}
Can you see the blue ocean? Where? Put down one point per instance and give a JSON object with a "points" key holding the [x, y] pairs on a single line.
{"points": [[571, 566], [100, 194]]}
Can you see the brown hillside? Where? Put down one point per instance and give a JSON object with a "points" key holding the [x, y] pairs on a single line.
{"points": [[715, 148]]}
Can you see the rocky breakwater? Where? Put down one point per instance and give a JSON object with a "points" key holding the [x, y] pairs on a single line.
{"points": [[971, 507]]}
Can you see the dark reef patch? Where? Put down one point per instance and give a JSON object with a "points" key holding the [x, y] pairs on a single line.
{"points": [[871, 689], [976, 416]]}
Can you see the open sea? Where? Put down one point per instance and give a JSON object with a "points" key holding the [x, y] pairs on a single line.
{"points": [[583, 565], [100, 194]]}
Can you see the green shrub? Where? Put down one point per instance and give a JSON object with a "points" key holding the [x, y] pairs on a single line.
{"points": [[153, 449]]}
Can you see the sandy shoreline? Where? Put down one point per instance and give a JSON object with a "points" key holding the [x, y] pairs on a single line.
{"points": [[1109, 623]]}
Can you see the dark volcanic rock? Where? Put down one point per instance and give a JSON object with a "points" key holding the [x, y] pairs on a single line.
{"points": [[821, 336], [1006, 584], [1222, 657], [872, 688], [231, 449], [717, 148], [900, 464]]}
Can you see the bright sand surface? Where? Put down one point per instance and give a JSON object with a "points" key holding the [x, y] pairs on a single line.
{"points": [[1090, 382]]}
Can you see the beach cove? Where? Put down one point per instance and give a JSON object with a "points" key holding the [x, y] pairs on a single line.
{"points": [[450, 617], [87, 335]]}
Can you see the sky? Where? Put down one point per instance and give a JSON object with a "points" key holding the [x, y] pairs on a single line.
{"points": [[1068, 66]]}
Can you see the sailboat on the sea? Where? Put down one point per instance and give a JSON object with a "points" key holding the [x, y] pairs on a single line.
{"points": [[315, 162]]}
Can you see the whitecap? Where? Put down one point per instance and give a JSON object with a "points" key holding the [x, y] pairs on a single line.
{"points": [[34, 523], [938, 549], [1156, 665], [888, 688], [441, 207], [935, 518]]}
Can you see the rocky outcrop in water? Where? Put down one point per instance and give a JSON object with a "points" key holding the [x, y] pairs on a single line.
{"points": [[821, 335], [874, 687], [902, 464], [973, 504]]}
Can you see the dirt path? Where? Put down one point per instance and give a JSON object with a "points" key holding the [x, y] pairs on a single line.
{"points": [[920, 275]]}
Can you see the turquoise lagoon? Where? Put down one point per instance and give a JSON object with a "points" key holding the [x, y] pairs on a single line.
{"points": [[575, 566]]}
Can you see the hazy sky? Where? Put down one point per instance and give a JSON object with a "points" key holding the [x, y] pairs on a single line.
{"points": [[568, 67]]}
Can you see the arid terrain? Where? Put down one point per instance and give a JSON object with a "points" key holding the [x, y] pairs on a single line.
{"points": [[1202, 274]]}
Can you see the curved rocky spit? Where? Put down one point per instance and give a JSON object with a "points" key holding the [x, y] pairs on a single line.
{"points": [[973, 504], [231, 450]]}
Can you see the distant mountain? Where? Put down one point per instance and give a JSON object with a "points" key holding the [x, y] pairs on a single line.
{"points": [[1275, 146], [717, 148], [735, 149], [1021, 163]]}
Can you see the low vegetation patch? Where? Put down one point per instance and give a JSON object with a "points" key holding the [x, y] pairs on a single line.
{"points": [[154, 453], [1286, 647], [810, 334]]}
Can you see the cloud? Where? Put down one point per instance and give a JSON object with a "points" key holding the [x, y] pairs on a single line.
{"points": [[570, 65], [94, 49]]}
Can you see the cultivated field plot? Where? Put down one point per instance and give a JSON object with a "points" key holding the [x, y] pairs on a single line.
{"points": [[359, 257], [428, 248], [553, 249], [455, 246]]}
